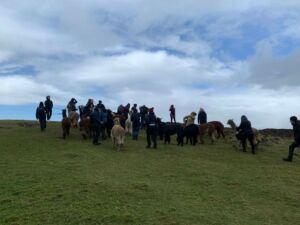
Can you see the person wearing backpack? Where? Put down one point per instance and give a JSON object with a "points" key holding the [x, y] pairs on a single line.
{"points": [[41, 116]]}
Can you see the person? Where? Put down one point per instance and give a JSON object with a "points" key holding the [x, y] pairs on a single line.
{"points": [[151, 128], [143, 112], [48, 107], [134, 107], [245, 132], [104, 119], [172, 113], [136, 124], [189, 119], [296, 129], [89, 107], [120, 109], [202, 116], [72, 105], [96, 121], [100, 105], [41, 116]]}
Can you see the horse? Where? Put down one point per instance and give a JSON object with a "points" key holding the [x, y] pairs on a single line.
{"points": [[256, 135], [117, 134]]}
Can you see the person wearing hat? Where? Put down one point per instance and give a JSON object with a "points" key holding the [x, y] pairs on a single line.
{"points": [[151, 128], [40, 115], [172, 113], [48, 107], [296, 129]]}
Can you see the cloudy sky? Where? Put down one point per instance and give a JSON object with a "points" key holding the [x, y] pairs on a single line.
{"points": [[230, 57]]}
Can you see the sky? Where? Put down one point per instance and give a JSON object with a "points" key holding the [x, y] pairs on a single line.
{"points": [[229, 57]]}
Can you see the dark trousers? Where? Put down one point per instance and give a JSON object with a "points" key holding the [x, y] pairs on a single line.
{"points": [[292, 149], [135, 133], [243, 138], [43, 124], [96, 134], [172, 117], [151, 136], [49, 113]]}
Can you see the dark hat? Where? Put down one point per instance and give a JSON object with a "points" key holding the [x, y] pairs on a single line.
{"points": [[293, 118], [151, 110]]}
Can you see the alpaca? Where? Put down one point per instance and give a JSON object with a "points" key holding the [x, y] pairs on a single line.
{"points": [[65, 124], [128, 124], [256, 137], [74, 117], [117, 134]]}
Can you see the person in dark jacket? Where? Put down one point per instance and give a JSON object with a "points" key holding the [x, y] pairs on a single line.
{"points": [[96, 121], [48, 107], [172, 113], [72, 105], [88, 108], [136, 124], [151, 128], [100, 105], [296, 129], [143, 112], [41, 116], [245, 132], [202, 116]]}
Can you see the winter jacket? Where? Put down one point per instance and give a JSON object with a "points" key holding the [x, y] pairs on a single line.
{"points": [[202, 117]]}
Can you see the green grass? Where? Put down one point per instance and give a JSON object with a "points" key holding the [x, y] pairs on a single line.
{"points": [[46, 180]]}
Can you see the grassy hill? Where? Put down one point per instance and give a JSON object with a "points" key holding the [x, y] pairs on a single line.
{"points": [[47, 180]]}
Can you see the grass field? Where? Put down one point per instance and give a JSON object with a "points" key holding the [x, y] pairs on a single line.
{"points": [[46, 180]]}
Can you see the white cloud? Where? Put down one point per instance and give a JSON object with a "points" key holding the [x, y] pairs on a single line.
{"points": [[102, 49]]}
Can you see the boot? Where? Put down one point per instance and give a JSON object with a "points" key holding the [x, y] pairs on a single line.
{"points": [[287, 159]]}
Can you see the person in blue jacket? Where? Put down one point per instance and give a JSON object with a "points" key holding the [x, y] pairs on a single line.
{"points": [[96, 122]]}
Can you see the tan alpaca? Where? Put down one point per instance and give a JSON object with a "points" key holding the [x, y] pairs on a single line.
{"points": [[117, 134]]}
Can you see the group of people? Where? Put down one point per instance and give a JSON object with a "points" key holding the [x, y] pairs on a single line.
{"points": [[146, 119], [44, 112]]}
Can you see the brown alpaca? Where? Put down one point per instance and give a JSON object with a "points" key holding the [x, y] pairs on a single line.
{"points": [[209, 129], [85, 127], [219, 128], [65, 124], [74, 117], [117, 134], [256, 137]]}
